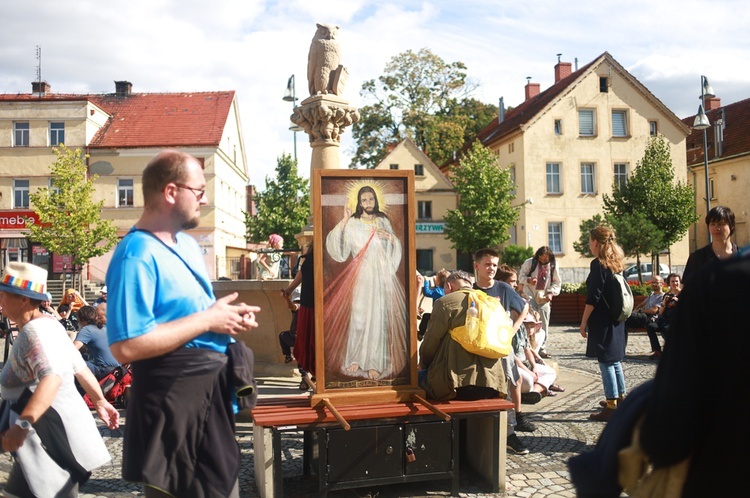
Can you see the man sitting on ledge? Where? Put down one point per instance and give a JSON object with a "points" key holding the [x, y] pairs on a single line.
{"points": [[452, 372]]}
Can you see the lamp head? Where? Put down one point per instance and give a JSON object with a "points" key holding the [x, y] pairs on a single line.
{"points": [[707, 90], [289, 93], [701, 120]]}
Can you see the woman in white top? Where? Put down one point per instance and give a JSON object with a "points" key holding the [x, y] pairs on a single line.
{"points": [[51, 431]]}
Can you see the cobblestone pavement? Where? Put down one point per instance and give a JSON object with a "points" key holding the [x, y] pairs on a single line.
{"points": [[563, 431]]}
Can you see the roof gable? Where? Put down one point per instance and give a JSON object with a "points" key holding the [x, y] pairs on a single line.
{"points": [[407, 146]]}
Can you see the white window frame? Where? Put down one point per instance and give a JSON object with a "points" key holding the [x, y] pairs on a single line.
{"points": [[123, 190], [512, 170], [21, 134], [620, 123], [583, 121], [588, 178], [552, 176], [620, 174], [653, 128], [422, 210], [21, 187], [555, 236], [56, 133]]}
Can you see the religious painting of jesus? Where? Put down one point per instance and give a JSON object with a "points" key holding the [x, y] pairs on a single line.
{"points": [[367, 314]]}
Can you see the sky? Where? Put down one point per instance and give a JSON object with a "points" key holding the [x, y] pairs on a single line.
{"points": [[254, 46]]}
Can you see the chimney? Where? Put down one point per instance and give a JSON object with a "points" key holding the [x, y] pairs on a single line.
{"points": [[562, 70], [123, 88], [532, 89], [39, 87], [713, 103], [501, 108]]}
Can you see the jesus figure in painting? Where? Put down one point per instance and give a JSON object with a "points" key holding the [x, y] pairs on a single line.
{"points": [[375, 336]]}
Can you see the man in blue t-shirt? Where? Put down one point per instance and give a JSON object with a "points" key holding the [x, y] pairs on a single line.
{"points": [[164, 319]]}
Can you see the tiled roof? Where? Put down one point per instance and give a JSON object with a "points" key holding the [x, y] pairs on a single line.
{"points": [[736, 133], [153, 119]]}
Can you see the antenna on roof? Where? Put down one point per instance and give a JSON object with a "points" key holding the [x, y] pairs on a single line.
{"points": [[38, 64]]}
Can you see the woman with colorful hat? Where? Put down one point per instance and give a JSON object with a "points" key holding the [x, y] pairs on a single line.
{"points": [[48, 427]]}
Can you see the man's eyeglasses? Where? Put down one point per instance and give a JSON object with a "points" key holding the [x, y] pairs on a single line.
{"points": [[199, 192]]}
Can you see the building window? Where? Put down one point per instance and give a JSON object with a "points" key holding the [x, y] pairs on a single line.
{"points": [[419, 169], [587, 178], [424, 261], [20, 134], [553, 178], [586, 124], [52, 187], [619, 123], [21, 194], [603, 84], [512, 171], [394, 166], [712, 192], [511, 148], [558, 127], [424, 210], [554, 236], [125, 192], [652, 128], [56, 134], [621, 175]]}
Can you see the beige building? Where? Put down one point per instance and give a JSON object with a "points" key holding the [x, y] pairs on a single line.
{"points": [[121, 132], [434, 196], [566, 146], [728, 145]]}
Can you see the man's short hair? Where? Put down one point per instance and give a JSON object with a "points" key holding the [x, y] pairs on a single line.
{"points": [[168, 166], [459, 275], [721, 214], [486, 252], [505, 271]]}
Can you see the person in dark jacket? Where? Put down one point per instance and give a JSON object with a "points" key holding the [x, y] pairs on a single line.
{"points": [[605, 336], [720, 221]]}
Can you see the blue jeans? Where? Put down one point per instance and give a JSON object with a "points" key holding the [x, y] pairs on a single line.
{"points": [[613, 379]]}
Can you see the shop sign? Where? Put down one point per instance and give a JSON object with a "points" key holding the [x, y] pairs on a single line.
{"points": [[430, 227], [17, 220]]}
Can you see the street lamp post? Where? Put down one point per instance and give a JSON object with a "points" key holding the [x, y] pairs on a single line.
{"points": [[290, 95], [702, 123]]}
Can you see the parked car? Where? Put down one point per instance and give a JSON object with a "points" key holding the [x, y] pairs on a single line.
{"points": [[631, 272]]}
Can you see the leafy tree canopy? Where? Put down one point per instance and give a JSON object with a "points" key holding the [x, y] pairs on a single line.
{"points": [[652, 192], [421, 97], [483, 214], [283, 207], [70, 222], [515, 256]]}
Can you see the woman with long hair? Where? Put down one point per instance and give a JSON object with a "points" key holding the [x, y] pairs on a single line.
{"points": [[721, 224], [605, 336]]}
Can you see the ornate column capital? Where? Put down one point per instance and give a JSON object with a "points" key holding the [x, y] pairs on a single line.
{"points": [[323, 118]]}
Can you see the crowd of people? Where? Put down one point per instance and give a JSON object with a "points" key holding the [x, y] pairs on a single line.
{"points": [[190, 373]]}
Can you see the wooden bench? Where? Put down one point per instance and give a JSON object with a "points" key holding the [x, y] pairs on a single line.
{"points": [[485, 434]]}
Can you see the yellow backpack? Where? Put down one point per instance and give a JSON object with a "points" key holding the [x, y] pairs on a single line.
{"points": [[490, 332]]}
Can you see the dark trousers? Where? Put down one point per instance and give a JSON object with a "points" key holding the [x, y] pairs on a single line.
{"points": [[654, 327]]}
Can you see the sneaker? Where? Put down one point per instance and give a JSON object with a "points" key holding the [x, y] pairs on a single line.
{"points": [[523, 424], [532, 397], [516, 446]]}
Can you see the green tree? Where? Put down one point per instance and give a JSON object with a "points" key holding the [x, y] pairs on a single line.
{"points": [[483, 214], [652, 192], [581, 246], [422, 97], [283, 207], [514, 255], [70, 222], [637, 235]]}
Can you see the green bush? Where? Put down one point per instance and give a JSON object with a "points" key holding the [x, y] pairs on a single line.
{"points": [[514, 255], [573, 289]]}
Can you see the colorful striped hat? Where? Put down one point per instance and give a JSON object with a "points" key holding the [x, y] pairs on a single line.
{"points": [[25, 279]]}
